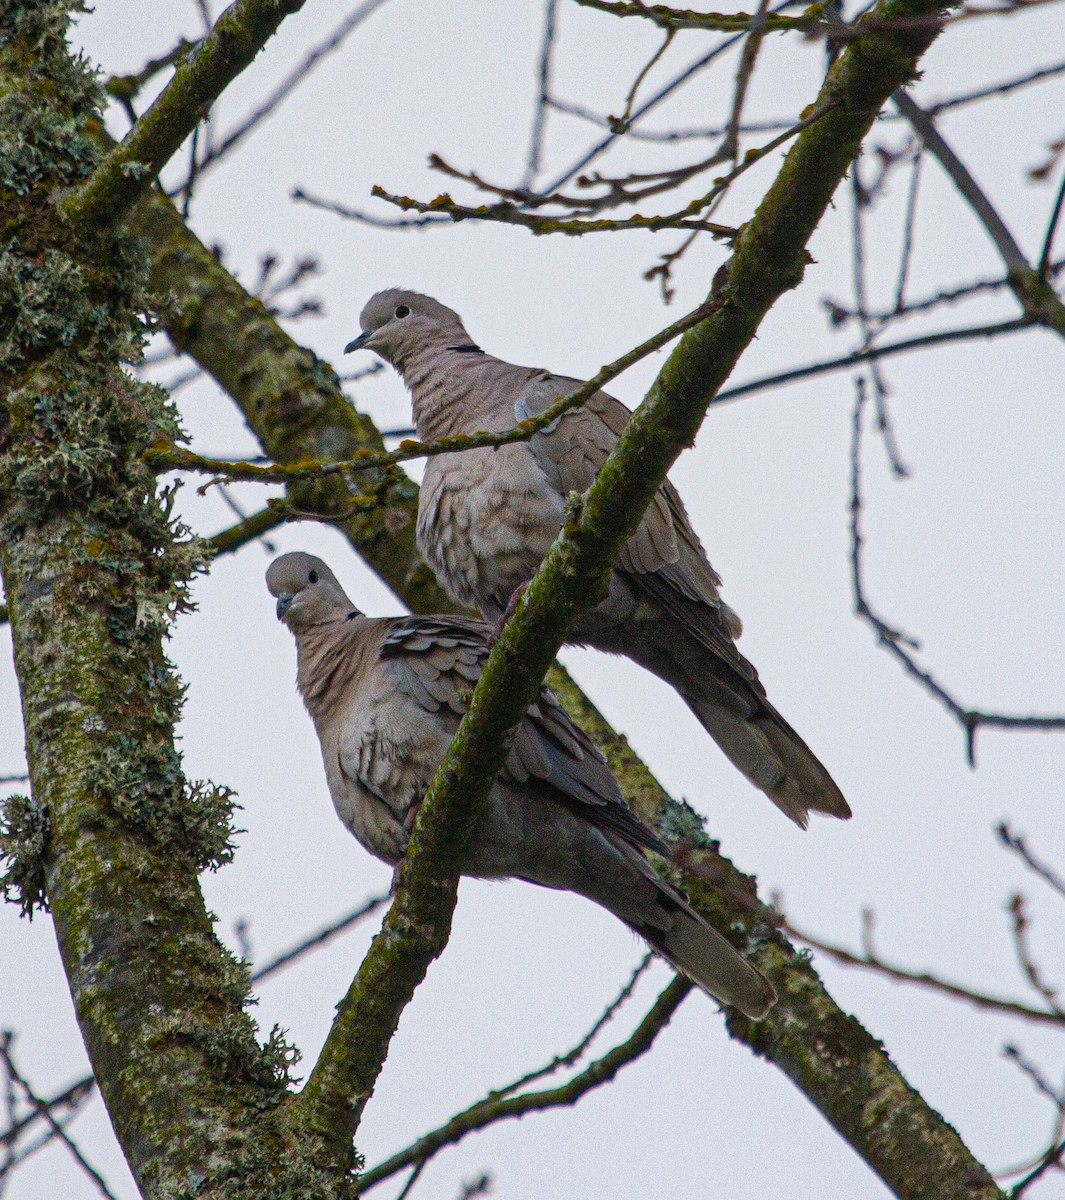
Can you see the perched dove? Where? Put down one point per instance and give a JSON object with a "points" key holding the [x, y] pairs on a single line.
{"points": [[386, 697], [487, 517]]}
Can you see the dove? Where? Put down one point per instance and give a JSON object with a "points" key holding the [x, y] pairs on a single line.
{"points": [[386, 696], [487, 517]]}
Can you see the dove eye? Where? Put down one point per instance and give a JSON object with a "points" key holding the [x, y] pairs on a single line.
{"points": [[313, 577], [402, 311]]}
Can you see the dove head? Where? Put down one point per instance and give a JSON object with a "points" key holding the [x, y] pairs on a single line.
{"points": [[397, 324], [307, 592]]}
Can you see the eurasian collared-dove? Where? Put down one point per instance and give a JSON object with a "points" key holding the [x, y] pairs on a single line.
{"points": [[386, 697], [486, 518]]}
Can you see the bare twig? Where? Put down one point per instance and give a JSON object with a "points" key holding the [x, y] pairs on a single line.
{"points": [[327, 46], [730, 144], [318, 939], [840, 315], [1051, 1159], [1034, 1169], [536, 138], [859, 201], [1018, 911], [495, 1107], [171, 457], [42, 1107], [125, 88], [69, 1098], [926, 341], [570, 224], [357, 214], [633, 133], [997, 89], [472, 1188], [909, 221], [514, 209], [869, 960], [1017, 844], [1052, 226], [901, 645], [649, 105], [576, 1053], [1010, 252], [626, 112]]}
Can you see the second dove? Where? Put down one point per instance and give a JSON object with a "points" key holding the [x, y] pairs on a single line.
{"points": [[487, 517]]}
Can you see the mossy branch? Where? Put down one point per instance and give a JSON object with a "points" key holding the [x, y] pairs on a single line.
{"points": [[666, 17], [294, 405], [496, 1107], [168, 457], [230, 540], [131, 168]]}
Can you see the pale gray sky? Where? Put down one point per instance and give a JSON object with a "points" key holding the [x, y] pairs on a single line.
{"points": [[967, 554]]}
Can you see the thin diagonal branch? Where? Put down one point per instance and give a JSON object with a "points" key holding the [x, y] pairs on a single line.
{"points": [[536, 138], [69, 1097], [292, 80], [880, 350], [1009, 251], [1019, 846], [1052, 228], [1029, 285], [497, 1106], [318, 939], [869, 960], [177, 458], [44, 1110], [577, 1052]]}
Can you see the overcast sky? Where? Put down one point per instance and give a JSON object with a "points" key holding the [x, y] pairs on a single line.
{"points": [[966, 553]]}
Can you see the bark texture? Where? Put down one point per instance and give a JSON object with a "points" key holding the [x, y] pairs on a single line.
{"points": [[94, 569]]}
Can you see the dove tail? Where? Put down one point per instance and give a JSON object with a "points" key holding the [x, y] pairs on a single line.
{"points": [[700, 952], [766, 749]]}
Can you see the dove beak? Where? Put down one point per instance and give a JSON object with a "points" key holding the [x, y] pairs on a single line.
{"points": [[359, 342], [283, 601]]}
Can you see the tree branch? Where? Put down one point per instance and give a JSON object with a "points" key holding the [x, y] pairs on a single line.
{"points": [[500, 1107], [130, 169], [173, 457], [228, 541], [869, 960]]}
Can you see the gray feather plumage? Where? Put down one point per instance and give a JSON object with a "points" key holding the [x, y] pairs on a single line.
{"points": [[487, 517], [386, 697]]}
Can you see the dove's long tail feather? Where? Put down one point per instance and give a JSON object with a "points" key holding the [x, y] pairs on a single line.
{"points": [[766, 749], [701, 953], [618, 876]]}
